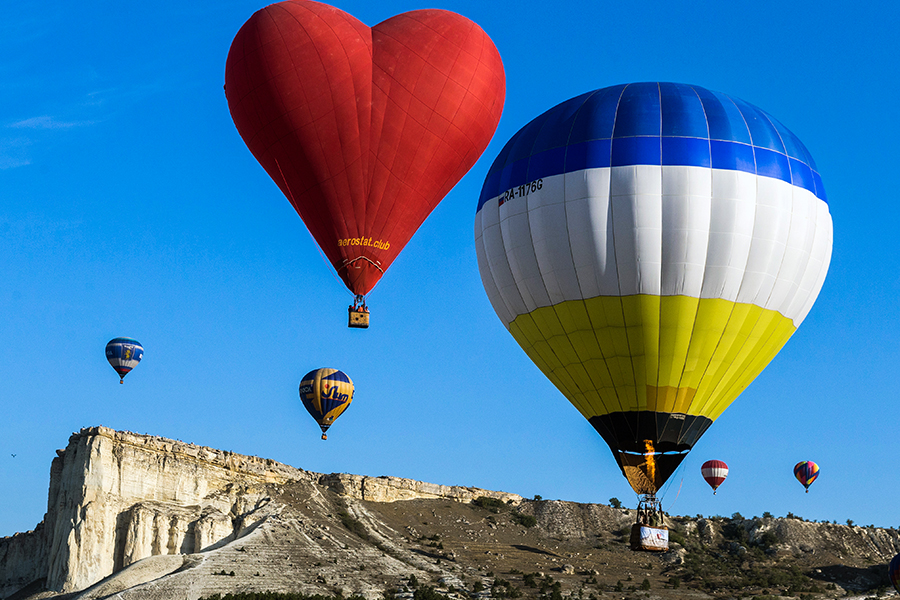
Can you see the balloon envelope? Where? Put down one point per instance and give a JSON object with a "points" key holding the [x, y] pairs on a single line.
{"points": [[123, 355], [894, 572], [714, 472], [651, 247], [326, 394], [806, 472], [365, 130]]}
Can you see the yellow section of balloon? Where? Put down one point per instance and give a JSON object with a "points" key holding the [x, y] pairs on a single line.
{"points": [[671, 354]]}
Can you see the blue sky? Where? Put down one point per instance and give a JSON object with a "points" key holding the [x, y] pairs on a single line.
{"points": [[129, 206]]}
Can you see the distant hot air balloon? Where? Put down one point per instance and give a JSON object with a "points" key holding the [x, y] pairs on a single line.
{"points": [[124, 354], [806, 472], [894, 572], [365, 130], [326, 394], [714, 472], [651, 247]]}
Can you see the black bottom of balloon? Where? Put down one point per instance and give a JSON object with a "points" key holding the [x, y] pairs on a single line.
{"points": [[649, 446], [668, 432]]}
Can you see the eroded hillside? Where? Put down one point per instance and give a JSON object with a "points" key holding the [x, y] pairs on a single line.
{"points": [[245, 524]]}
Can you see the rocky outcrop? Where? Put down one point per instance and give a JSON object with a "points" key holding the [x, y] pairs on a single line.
{"points": [[23, 559], [392, 489], [571, 520], [119, 497], [802, 537]]}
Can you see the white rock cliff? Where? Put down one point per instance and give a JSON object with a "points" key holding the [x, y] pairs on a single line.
{"points": [[118, 497]]}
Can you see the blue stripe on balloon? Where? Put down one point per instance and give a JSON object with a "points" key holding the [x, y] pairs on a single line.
{"points": [[579, 156], [802, 175], [652, 124], [732, 156], [518, 174], [636, 151], [680, 150], [772, 164], [547, 163], [690, 152], [820, 187]]}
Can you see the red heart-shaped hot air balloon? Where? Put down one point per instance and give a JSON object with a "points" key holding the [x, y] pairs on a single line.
{"points": [[365, 130]]}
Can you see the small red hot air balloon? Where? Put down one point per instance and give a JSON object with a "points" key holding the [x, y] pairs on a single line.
{"points": [[365, 130], [714, 472]]}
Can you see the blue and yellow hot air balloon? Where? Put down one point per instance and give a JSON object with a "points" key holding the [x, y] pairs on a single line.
{"points": [[124, 354], [806, 472], [652, 246], [326, 394]]}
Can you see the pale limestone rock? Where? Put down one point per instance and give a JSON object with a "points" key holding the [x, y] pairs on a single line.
{"points": [[156, 496], [212, 527], [393, 489], [117, 498], [23, 558], [145, 570]]}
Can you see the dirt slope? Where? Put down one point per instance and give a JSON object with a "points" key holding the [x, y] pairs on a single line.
{"points": [[317, 541]]}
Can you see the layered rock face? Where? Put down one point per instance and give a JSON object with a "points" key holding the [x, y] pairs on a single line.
{"points": [[137, 517], [118, 497]]}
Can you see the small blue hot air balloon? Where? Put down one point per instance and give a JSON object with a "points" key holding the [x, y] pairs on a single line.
{"points": [[124, 354]]}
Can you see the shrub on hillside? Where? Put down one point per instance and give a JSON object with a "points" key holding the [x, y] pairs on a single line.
{"points": [[428, 593], [524, 520], [492, 504]]}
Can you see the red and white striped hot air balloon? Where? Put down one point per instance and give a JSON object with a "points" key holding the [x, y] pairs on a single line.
{"points": [[714, 472]]}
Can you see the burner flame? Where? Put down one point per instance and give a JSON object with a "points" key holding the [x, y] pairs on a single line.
{"points": [[651, 462]]}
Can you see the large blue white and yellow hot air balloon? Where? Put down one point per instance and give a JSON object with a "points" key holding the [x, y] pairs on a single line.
{"points": [[651, 247], [326, 393], [123, 355]]}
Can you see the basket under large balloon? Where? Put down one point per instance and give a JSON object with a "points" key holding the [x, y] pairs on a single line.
{"points": [[649, 532], [359, 314]]}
